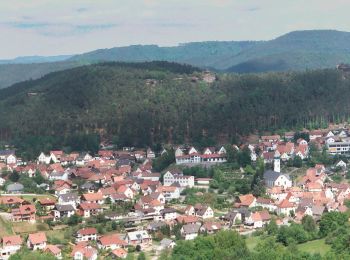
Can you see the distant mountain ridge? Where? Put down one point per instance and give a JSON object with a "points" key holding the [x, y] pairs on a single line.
{"points": [[294, 51], [36, 59]]}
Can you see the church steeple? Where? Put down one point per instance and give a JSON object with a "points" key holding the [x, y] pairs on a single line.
{"points": [[277, 164]]}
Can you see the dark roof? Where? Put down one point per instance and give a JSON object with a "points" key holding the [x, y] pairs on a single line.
{"points": [[69, 197], [191, 228], [64, 207], [15, 187], [6, 152], [88, 185], [270, 175]]}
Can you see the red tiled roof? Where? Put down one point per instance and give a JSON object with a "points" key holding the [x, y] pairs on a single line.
{"points": [[112, 240], [37, 238], [93, 196], [87, 231], [52, 249], [11, 240]]}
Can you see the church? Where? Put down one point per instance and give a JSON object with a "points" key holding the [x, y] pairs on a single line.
{"points": [[276, 178]]}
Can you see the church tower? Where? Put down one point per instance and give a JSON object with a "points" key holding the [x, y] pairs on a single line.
{"points": [[277, 164]]}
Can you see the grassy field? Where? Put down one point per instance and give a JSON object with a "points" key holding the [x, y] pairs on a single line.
{"points": [[5, 228], [25, 227], [252, 242], [38, 196], [315, 246]]}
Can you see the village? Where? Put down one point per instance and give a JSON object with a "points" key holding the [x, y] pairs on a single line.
{"points": [[114, 204]]}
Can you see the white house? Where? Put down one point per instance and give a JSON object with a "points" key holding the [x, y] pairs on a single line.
{"points": [[86, 234], [341, 164], [170, 178], [37, 241], [190, 231], [273, 178], [44, 159], [10, 245]]}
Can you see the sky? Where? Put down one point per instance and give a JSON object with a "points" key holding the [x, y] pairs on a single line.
{"points": [[56, 27]]}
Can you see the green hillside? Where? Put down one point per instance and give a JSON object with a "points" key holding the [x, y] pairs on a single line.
{"points": [[294, 51], [147, 103]]}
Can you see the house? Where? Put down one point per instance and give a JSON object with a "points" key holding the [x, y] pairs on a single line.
{"points": [[190, 231], [15, 188], [166, 243], [315, 134], [2, 181], [119, 253], [266, 203], [271, 138], [47, 203], [140, 237], [247, 200], [285, 207], [93, 198], [150, 154], [258, 219], [37, 241], [232, 218], [86, 234], [63, 211], [69, 199], [24, 213], [89, 209], [273, 178], [168, 214], [53, 250], [171, 177], [10, 245], [341, 164], [203, 212], [125, 190], [170, 192], [82, 251], [210, 227], [111, 242], [8, 156], [187, 219], [89, 187]]}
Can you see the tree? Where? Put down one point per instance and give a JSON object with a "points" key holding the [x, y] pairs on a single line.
{"points": [[332, 221], [141, 256], [297, 161], [272, 227], [308, 223], [14, 176]]}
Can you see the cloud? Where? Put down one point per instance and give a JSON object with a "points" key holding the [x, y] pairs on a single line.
{"points": [[28, 25], [51, 27]]}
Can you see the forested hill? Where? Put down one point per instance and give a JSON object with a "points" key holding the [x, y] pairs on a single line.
{"points": [[147, 103], [295, 51]]}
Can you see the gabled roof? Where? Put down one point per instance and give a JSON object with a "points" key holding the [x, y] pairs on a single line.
{"points": [[270, 175], [112, 240], [191, 228], [52, 249], [11, 240], [37, 238], [87, 231]]}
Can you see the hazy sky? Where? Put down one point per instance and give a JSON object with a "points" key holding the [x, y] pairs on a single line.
{"points": [[52, 27]]}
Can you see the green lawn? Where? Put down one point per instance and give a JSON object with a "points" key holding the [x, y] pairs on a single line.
{"points": [[37, 197], [25, 227], [252, 242], [5, 228], [315, 246]]}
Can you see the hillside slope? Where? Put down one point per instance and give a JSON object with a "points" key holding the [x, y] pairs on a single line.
{"points": [[147, 103], [294, 51]]}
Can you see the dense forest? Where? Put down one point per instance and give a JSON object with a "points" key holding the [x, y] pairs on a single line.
{"points": [[295, 51], [144, 104]]}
